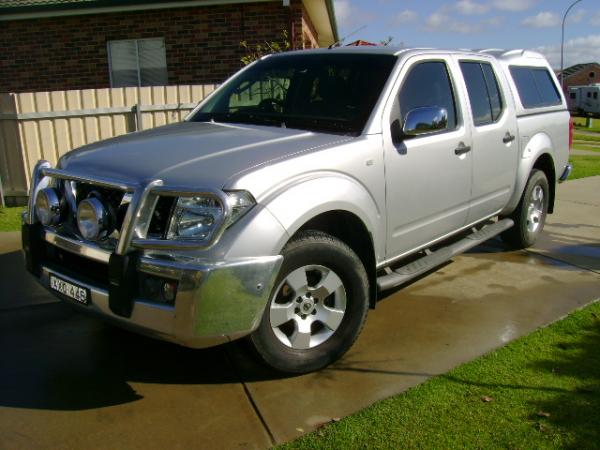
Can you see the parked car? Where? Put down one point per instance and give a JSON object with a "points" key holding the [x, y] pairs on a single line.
{"points": [[305, 186]]}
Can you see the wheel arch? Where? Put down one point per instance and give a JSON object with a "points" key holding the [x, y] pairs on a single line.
{"points": [[339, 205], [542, 160], [545, 163], [350, 229]]}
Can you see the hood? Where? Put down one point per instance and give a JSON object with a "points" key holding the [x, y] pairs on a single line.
{"points": [[191, 154]]}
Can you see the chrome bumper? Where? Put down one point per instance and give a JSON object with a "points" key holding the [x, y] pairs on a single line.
{"points": [[566, 173], [216, 302]]}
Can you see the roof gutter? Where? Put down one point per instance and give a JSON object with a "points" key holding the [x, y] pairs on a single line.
{"points": [[332, 19], [121, 8]]}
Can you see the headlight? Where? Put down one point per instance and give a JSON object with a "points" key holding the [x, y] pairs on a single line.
{"points": [[199, 218], [47, 206], [92, 218]]}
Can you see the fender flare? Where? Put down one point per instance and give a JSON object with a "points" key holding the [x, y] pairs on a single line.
{"points": [[307, 197], [538, 145]]}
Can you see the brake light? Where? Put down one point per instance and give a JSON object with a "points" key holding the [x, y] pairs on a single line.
{"points": [[571, 127]]}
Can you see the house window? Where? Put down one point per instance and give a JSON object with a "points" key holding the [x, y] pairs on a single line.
{"points": [[137, 62], [592, 74]]}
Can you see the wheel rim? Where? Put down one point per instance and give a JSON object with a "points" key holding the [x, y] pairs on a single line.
{"points": [[535, 210], [308, 307]]}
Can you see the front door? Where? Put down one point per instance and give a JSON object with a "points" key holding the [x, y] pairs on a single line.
{"points": [[428, 177]]}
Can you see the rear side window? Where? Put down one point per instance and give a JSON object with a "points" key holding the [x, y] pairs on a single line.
{"points": [[484, 94], [428, 84], [536, 87]]}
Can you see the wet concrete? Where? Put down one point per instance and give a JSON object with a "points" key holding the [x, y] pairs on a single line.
{"points": [[71, 381], [573, 233]]}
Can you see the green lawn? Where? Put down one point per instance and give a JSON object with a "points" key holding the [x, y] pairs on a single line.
{"points": [[590, 148], [541, 391], [10, 218], [580, 124], [586, 137], [584, 166]]}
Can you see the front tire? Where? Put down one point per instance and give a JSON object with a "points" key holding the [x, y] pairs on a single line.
{"points": [[530, 215], [317, 308]]}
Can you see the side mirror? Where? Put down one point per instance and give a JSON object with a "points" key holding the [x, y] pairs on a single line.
{"points": [[426, 120]]}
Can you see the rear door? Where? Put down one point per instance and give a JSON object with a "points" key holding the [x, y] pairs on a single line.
{"points": [[495, 140]]}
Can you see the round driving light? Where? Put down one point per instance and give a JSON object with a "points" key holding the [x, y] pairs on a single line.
{"points": [[91, 218], [47, 206]]}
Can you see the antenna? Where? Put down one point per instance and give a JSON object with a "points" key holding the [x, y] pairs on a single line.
{"points": [[337, 43]]}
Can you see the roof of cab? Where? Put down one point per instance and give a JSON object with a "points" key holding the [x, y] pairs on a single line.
{"points": [[507, 55]]}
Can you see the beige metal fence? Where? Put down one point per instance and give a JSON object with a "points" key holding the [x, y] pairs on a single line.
{"points": [[45, 125]]}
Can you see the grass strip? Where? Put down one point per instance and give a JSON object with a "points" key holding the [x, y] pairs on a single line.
{"points": [[586, 137], [590, 148], [584, 166], [10, 218], [540, 391], [580, 124]]}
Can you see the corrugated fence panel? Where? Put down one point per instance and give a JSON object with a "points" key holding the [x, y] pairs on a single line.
{"points": [[13, 170], [46, 125], [62, 129], [76, 128], [28, 131], [105, 125]]}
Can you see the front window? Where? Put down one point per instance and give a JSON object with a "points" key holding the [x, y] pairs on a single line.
{"points": [[321, 92], [428, 84]]}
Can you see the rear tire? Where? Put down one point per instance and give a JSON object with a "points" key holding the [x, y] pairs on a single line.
{"points": [[530, 215], [317, 308]]}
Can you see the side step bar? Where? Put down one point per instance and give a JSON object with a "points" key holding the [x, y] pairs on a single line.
{"points": [[420, 266]]}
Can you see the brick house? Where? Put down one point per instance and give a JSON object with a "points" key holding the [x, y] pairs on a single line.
{"points": [[580, 75], [81, 44]]}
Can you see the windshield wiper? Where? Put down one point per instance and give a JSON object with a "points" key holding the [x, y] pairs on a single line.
{"points": [[254, 119]]}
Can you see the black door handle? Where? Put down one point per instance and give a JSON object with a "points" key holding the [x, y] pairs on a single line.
{"points": [[462, 149], [508, 137]]}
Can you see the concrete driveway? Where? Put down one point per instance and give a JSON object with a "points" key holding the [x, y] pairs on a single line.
{"points": [[71, 381]]}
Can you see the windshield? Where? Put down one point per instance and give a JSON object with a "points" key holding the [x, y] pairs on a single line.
{"points": [[321, 92]]}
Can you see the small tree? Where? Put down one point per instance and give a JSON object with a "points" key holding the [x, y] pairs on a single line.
{"points": [[259, 50]]}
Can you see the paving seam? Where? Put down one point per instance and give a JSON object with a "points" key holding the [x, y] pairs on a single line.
{"points": [[536, 252], [576, 202], [255, 407], [17, 308]]}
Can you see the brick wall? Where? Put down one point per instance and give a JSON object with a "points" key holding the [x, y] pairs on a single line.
{"points": [[582, 78], [202, 43]]}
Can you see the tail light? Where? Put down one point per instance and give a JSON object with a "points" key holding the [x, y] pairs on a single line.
{"points": [[571, 127]]}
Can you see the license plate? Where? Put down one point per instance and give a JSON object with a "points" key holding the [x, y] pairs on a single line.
{"points": [[77, 293]]}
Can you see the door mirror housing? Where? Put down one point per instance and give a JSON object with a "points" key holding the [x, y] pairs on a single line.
{"points": [[425, 120], [396, 132]]}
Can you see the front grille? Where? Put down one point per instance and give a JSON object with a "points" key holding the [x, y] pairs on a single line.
{"points": [[160, 217], [113, 198]]}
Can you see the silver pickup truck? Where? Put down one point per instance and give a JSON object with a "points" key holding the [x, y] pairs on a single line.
{"points": [[302, 188]]}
